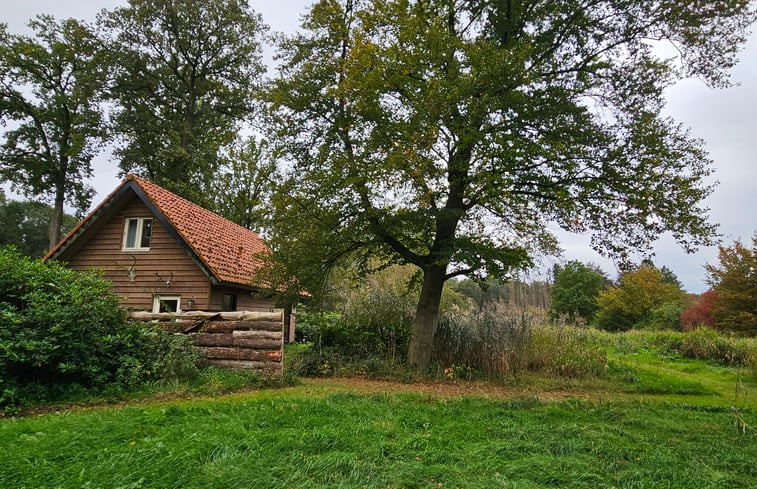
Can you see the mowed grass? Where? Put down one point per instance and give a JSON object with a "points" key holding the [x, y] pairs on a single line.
{"points": [[330, 433], [684, 379]]}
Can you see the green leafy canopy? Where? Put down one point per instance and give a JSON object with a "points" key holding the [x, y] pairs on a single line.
{"points": [[454, 134], [51, 86], [183, 76], [497, 120]]}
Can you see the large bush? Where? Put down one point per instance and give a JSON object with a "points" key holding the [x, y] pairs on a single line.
{"points": [[59, 327], [644, 300]]}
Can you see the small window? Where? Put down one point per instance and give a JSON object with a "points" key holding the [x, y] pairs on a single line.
{"points": [[166, 303], [229, 302], [137, 233]]}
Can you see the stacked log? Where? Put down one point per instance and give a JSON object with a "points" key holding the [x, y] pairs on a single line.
{"points": [[235, 340]]}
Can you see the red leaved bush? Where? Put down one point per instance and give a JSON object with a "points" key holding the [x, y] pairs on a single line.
{"points": [[699, 313]]}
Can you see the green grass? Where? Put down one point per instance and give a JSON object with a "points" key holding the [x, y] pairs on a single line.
{"points": [[210, 381], [690, 376], [653, 419], [674, 379], [310, 438]]}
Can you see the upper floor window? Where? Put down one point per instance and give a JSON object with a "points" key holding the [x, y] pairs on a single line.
{"points": [[137, 233]]}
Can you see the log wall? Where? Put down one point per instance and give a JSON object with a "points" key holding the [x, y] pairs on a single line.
{"points": [[236, 340]]}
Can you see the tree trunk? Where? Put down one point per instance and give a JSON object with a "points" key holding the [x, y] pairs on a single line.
{"points": [[57, 217], [426, 316]]}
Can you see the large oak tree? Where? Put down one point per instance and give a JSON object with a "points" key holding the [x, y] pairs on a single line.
{"points": [[50, 92], [453, 135], [184, 74], [242, 189]]}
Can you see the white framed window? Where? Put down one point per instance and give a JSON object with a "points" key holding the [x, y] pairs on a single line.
{"points": [[137, 233], [166, 303]]}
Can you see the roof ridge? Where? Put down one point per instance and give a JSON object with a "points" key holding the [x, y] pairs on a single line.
{"points": [[139, 180], [227, 249]]}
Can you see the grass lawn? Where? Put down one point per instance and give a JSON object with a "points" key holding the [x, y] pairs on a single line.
{"points": [[339, 433]]}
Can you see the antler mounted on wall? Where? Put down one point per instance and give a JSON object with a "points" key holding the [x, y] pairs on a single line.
{"points": [[131, 270], [166, 283]]}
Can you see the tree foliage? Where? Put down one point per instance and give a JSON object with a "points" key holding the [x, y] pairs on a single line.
{"points": [[50, 89], [670, 277], [643, 300], [452, 134], [699, 313], [26, 225], [575, 291], [734, 281], [183, 77], [243, 186]]}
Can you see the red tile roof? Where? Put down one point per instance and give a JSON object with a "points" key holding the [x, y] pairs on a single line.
{"points": [[229, 251]]}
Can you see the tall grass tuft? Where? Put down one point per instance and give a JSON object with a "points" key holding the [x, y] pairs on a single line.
{"points": [[490, 342], [565, 351], [503, 342], [707, 343]]}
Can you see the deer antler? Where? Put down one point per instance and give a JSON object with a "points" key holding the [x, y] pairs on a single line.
{"points": [[131, 270], [167, 282]]}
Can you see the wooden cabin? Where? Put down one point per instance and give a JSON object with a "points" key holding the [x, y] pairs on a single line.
{"points": [[165, 254]]}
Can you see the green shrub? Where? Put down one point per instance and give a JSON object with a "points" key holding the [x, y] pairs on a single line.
{"points": [[309, 361], [368, 337], [61, 329], [147, 353]]}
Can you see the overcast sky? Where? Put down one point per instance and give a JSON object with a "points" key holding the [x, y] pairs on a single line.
{"points": [[725, 119]]}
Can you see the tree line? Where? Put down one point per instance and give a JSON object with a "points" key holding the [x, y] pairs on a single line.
{"points": [[647, 297], [170, 84], [448, 135]]}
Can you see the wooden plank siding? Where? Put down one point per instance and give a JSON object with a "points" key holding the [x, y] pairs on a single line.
{"points": [[153, 267]]}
